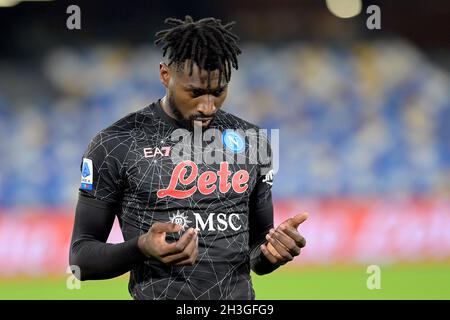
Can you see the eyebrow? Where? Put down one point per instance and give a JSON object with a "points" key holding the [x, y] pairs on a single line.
{"points": [[192, 88]]}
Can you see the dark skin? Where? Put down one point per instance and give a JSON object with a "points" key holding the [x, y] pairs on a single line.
{"points": [[190, 99], [285, 242]]}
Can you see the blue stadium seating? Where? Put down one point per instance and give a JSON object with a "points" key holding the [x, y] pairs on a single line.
{"points": [[368, 120]]}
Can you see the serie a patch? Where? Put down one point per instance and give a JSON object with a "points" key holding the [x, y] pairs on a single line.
{"points": [[87, 174]]}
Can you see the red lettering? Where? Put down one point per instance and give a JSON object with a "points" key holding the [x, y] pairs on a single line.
{"points": [[178, 174], [240, 180], [223, 174], [206, 182]]}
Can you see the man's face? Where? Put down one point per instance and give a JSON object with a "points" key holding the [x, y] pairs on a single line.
{"points": [[189, 98]]}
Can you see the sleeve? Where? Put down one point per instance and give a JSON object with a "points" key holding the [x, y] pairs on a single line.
{"points": [[261, 215], [88, 250], [100, 193], [102, 168]]}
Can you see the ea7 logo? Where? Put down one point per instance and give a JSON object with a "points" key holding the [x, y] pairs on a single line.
{"points": [[219, 222], [153, 152]]}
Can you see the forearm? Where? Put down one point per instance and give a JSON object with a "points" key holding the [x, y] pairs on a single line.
{"points": [[261, 221], [89, 251], [98, 260]]}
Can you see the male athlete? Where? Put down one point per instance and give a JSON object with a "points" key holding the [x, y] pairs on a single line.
{"points": [[192, 229]]}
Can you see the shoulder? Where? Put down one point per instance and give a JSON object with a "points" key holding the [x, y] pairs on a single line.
{"points": [[130, 126], [230, 121], [122, 133]]}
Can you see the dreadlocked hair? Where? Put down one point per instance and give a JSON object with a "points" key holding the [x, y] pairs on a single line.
{"points": [[207, 42]]}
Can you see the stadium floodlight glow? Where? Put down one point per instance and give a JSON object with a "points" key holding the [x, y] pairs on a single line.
{"points": [[344, 8], [8, 3], [12, 3]]}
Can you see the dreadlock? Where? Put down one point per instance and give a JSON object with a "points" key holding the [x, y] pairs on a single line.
{"points": [[207, 42]]}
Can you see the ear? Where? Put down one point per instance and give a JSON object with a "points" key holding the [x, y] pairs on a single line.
{"points": [[164, 74]]}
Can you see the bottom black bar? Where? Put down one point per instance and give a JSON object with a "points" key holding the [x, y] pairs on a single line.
{"points": [[260, 309]]}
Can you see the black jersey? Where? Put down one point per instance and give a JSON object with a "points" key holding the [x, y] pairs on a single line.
{"points": [[151, 170]]}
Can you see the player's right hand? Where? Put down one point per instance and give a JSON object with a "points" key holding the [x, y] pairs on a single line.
{"points": [[183, 252]]}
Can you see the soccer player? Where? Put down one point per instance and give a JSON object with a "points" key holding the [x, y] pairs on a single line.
{"points": [[192, 229]]}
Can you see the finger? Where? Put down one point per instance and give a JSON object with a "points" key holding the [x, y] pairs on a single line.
{"points": [[273, 251], [287, 242], [281, 250], [297, 220], [178, 246], [181, 256], [160, 227], [186, 255], [268, 255], [191, 260], [293, 233]]}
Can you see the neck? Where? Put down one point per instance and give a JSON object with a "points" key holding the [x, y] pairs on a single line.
{"points": [[166, 108]]}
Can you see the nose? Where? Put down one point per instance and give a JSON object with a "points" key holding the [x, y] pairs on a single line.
{"points": [[207, 106]]}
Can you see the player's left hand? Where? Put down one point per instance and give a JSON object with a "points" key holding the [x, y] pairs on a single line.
{"points": [[284, 242]]}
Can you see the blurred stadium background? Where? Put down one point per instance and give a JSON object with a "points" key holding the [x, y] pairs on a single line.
{"points": [[364, 119]]}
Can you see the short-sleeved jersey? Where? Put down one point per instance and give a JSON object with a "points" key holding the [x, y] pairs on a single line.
{"points": [[153, 170]]}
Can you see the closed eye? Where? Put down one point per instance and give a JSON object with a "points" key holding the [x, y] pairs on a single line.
{"points": [[200, 92], [197, 93], [218, 92]]}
